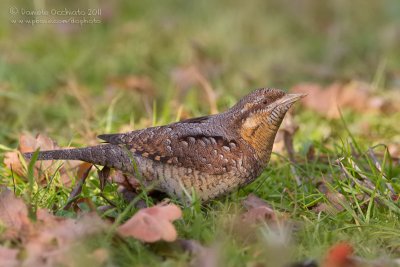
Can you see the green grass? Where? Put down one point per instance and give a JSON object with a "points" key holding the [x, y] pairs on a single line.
{"points": [[239, 48]]}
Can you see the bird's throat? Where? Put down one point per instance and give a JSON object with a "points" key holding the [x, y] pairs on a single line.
{"points": [[260, 134]]}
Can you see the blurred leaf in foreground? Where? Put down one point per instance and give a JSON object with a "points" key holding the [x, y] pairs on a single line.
{"points": [[152, 224], [46, 241]]}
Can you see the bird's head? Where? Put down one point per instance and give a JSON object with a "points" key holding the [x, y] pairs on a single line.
{"points": [[259, 115]]}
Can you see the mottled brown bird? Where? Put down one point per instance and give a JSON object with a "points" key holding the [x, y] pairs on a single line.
{"points": [[211, 155]]}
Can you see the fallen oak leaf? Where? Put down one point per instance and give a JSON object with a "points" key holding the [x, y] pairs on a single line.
{"points": [[152, 224]]}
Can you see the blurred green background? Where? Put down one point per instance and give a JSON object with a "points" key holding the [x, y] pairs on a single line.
{"points": [[237, 46]]}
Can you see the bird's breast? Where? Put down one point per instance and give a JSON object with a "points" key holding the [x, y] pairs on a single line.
{"points": [[180, 181]]}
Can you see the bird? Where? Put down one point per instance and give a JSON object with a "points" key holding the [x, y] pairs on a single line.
{"points": [[209, 156]]}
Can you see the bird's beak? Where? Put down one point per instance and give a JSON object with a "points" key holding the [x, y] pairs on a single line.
{"points": [[284, 103], [290, 99]]}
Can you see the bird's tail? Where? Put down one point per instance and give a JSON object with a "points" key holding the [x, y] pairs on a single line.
{"points": [[112, 156]]}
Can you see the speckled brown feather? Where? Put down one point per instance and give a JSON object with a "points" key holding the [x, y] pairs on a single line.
{"points": [[212, 155]]}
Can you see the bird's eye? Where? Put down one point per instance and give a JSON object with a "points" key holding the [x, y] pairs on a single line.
{"points": [[265, 102]]}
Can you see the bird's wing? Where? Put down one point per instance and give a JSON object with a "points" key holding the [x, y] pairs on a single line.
{"points": [[210, 153]]}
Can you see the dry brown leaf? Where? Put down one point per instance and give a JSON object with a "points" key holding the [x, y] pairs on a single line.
{"points": [[336, 201], [355, 95], [13, 215], [83, 172], [54, 237], [8, 257], [152, 224], [28, 143], [12, 161], [66, 230], [103, 174], [52, 242], [318, 99], [258, 210], [46, 241]]}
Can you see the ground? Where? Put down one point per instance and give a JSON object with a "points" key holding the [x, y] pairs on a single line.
{"points": [[150, 63]]}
